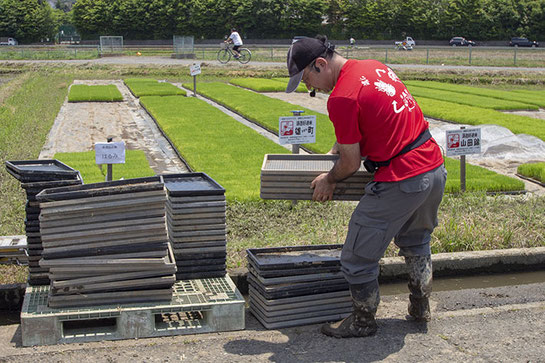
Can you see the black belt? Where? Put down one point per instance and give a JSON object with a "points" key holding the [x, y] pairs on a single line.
{"points": [[372, 166]]}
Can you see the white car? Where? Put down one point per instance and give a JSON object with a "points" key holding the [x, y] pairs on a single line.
{"points": [[8, 41]]}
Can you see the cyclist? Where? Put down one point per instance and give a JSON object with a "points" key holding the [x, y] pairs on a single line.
{"points": [[236, 40]]}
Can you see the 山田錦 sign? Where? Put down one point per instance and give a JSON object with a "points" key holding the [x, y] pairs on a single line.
{"points": [[463, 142]]}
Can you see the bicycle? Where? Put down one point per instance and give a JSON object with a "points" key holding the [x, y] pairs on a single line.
{"points": [[224, 54]]}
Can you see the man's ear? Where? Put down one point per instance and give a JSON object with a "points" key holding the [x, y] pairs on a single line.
{"points": [[321, 62]]}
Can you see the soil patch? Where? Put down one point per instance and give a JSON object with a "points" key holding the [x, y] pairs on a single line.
{"points": [[80, 125], [540, 114]]}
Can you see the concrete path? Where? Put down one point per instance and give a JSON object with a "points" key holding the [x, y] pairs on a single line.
{"points": [[502, 324]]}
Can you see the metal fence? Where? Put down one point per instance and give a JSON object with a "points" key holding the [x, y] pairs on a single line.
{"points": [[111, 44], [434, 55], [183, 45]]}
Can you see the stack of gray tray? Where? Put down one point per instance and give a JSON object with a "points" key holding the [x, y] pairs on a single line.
{"points": [[106, 243], [35, 176], [288, 176], [196, 224], [290, 286]]}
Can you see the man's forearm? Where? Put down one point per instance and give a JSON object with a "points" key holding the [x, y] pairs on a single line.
{"points": [[340, 171]]}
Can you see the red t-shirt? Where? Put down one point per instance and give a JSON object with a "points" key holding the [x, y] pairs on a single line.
{"points": [[372, 107]]}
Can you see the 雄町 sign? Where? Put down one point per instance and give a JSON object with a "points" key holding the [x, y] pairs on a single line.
{"points": [[297, 130]]}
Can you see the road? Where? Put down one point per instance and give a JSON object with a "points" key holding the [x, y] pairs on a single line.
{"points": [[169, 61], [478, 325]]}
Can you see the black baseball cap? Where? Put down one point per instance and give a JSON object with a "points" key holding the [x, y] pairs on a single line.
{"points": [[301, 53]]}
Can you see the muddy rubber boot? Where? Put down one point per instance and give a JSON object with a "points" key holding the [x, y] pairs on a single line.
{"points": [[420, 281], [361, 323]]}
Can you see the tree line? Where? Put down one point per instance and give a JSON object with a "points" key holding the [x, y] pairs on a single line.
{"points": [[31, 20]]}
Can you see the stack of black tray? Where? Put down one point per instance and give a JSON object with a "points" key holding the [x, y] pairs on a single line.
{"points": [[196, 224], [290, 286], [106, 243], [35, 176]]}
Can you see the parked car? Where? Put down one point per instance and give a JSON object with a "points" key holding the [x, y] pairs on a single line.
{"points": [[456, 41], [8, 41], [523, 42]]}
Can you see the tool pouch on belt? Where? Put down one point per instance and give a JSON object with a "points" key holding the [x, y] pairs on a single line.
{"points": [[372, 166]]}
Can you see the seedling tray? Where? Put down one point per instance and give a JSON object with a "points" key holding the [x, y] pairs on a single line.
{"points": [[274, 258], [40, 170], [36, 187], [100, 189], [297, 289], [288, 176], [191, 184]]}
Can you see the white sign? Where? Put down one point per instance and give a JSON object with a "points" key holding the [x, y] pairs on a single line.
{"points": [[297, 130], [463, 142], [110, 152], [195, 69]]}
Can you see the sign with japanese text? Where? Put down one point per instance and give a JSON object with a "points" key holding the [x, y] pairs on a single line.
{"points": [[195, 69], [463, 142], [297, 130], [110, 152]]}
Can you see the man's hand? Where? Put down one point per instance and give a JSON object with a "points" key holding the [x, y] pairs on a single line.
{"points": [[323, 188], [349, 162]]}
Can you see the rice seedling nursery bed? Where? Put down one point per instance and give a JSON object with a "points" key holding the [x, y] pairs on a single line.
{"points": [[265, 85], [529, 97], [534, 171], [136, 166], [478, 179], [472, 115], [151, 87], [100, 93], [469, 99], [214, 143], [265, 111]]}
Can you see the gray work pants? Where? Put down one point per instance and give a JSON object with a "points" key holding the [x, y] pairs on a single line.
{"points": [[405, 211]]}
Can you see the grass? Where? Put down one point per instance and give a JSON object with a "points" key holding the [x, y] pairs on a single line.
{"points": [[150, 87], [214, 143], [13, 274], [467, 222], [136, 166], [29, 107], [19, 53], [472, 115], [533, 170], [469, 99], [265, 111], [529, 97], [479, 179], [102, 93]]}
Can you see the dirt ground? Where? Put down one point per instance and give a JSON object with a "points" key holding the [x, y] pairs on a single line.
{"points": [[79, 125]]}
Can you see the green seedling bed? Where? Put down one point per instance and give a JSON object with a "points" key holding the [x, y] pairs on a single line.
{"points": [[150, 87], [101, 93]]}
